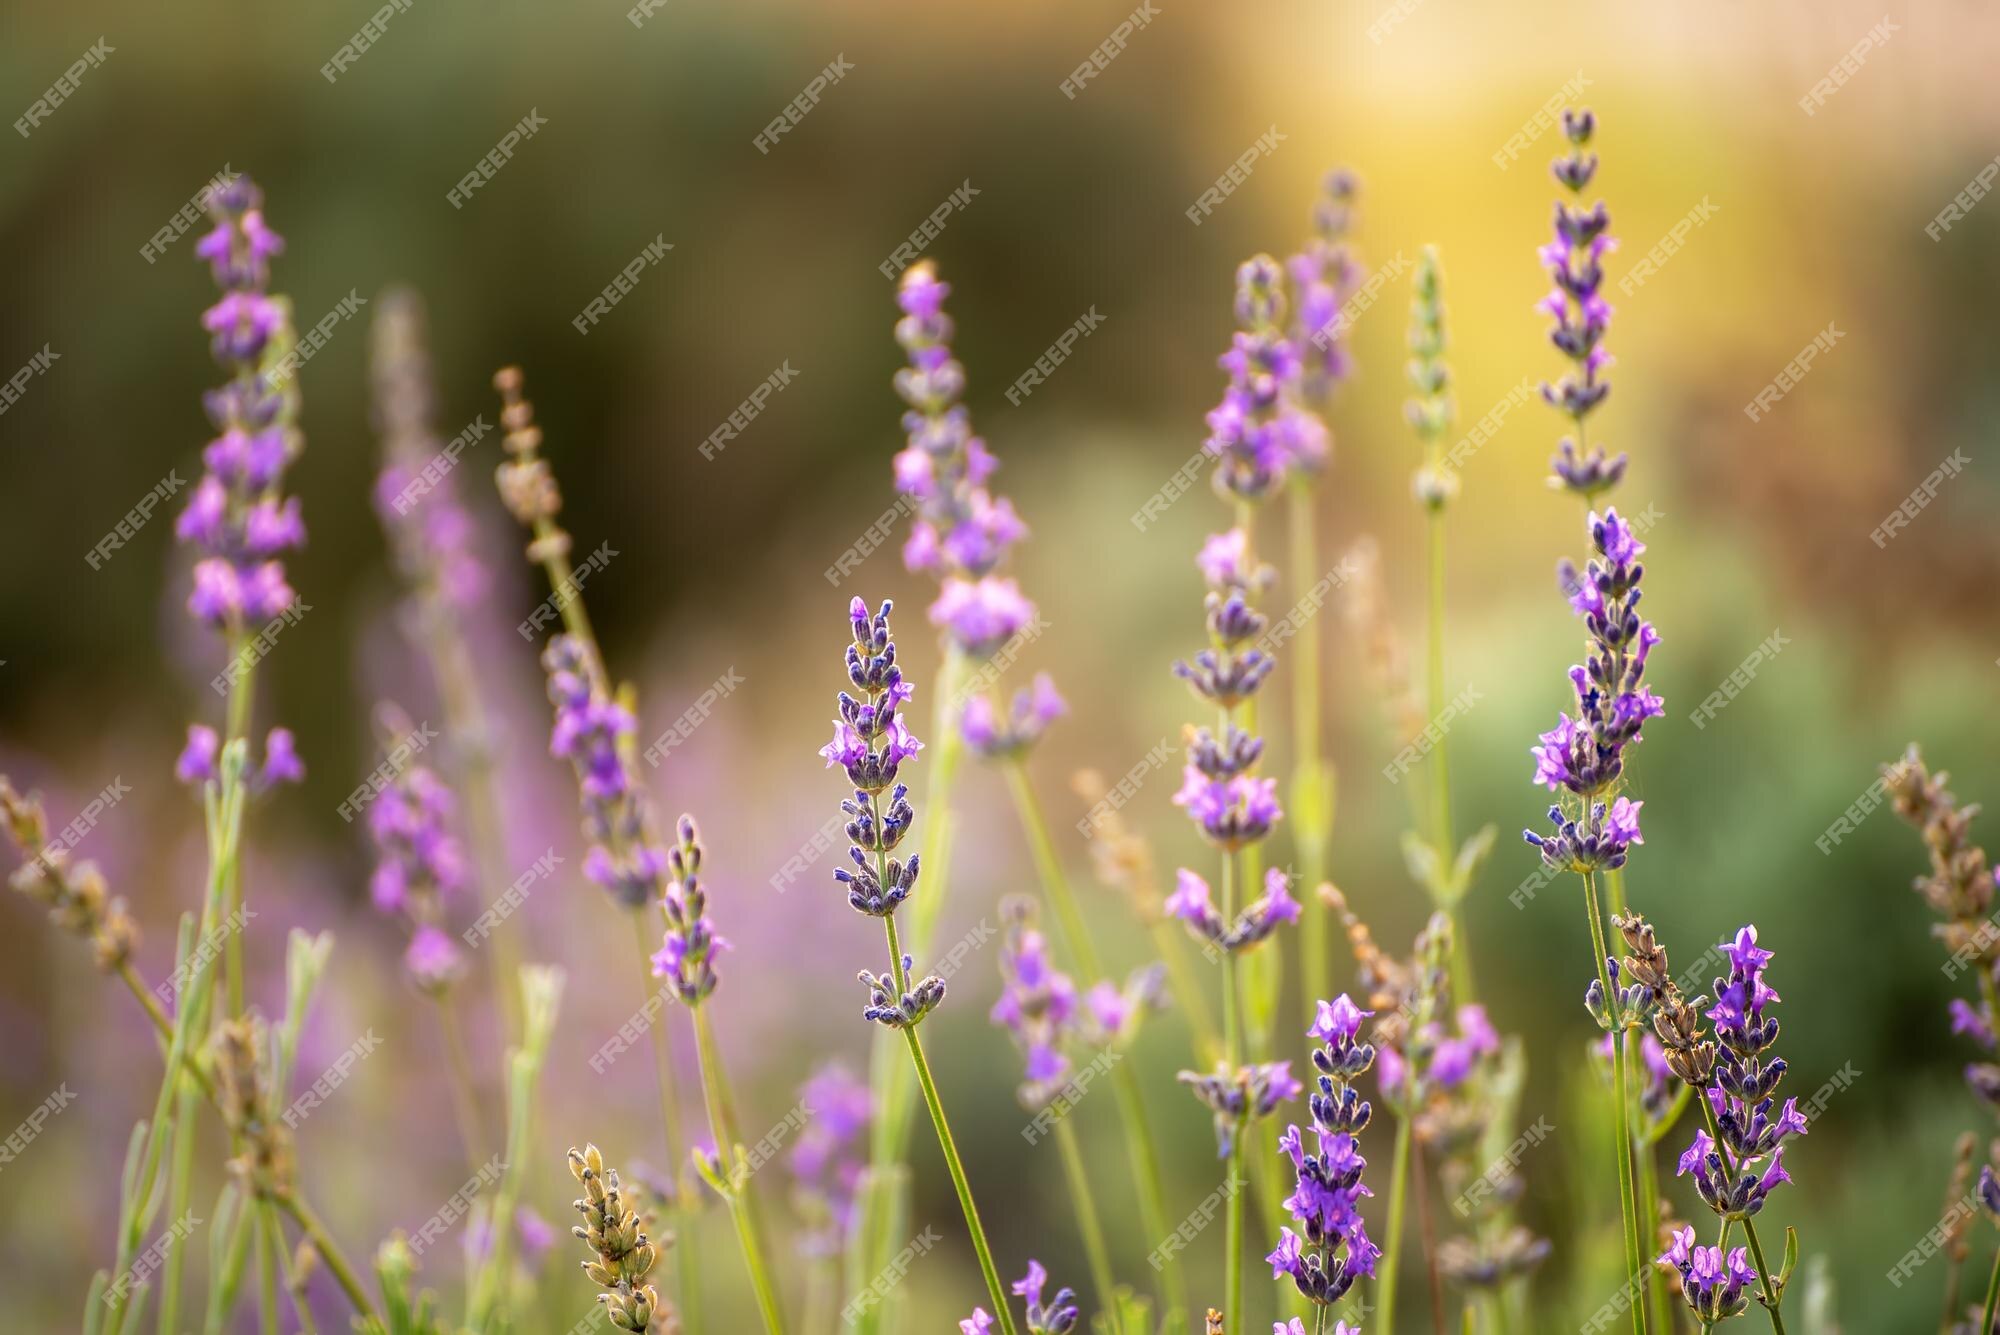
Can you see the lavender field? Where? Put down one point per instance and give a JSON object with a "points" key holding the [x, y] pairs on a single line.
{"points": [[890, 668]]}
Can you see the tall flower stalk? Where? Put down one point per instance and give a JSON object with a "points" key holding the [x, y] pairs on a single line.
{"points": [[686, 959], [870, 744], [1324, 275], [1583, 758], [595, 729]]}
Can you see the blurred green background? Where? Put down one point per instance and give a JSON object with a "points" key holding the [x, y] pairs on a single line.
{"points": [[1763, 526]]}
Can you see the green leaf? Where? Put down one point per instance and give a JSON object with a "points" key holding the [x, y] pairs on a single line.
{"points": [[1791, 1259], [1425, 867], [1472, 855]]}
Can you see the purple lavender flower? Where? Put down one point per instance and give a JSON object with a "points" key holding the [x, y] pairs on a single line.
{"points": [[686, 957], [1734, 1178], [1240, 1096], [418, 867], [1058, 1315], [825, 1163], [870, 744], [1714, 1287], [1191, 903], [1033, 709], [1324, 275], [1228, 565], [235, 518], [1575, 261], [196, 764], [1297, 1327], [1259, 432], [1037, 1005], [432, 534], [1232, 669], [1585, 755], [594, 733], [1331, 1247]]}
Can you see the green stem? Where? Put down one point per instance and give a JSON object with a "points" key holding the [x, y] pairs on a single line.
{"points": [[1627, 1206], [935, 1107], [685, 1260], [1088, 1224], [1649, 1227], [1992, 1298], [729, 1151], [329, 1252], [267, 1270], [1392, 1250], [1441, 832], [1074, 932], [1233, 1060], [1313, 830], [464, 1097], [181, 1172]]}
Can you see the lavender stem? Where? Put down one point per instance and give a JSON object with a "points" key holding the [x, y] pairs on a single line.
{"points": [[1088, 1224], [742, 1203]]}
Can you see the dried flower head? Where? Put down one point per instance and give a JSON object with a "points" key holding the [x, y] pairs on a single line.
{"points": [[624, 1254]]}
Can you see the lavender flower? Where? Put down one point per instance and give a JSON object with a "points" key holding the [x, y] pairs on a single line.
{"points": [[826, 1168], [237, 519], [1259, 432], [1714, 1287], [1037, 1005], [870, 744], [431, 532], [1324, 275], [1239, 1097], [1585, 755], [594, 733], [1033, 709], [1254, 922], [1574, 260], [1430, 411], [1736, 1181], [418, 867], [623, 1255], [1057, 1316], [686, 958], [1331, 1247]]}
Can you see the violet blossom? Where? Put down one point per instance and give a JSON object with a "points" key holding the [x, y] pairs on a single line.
{"points": [[1575, 263], [686, 958], [1331, 1247]]}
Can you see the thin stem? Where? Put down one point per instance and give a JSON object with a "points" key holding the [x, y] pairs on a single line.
{"points": [[180, 1175], [329, 1251], [1313, 830], [464, 1096], [301, 1308], [1429, 1236], [1232, 1059], [236, 722], [1992, 1298], [935, 1107], [267, 1272], [1627, 1206], [1074, 931], [1441, 831], [1088, 1224], [1649, 1224], [685, 1266], [728, 1148], [1392, 1252]]}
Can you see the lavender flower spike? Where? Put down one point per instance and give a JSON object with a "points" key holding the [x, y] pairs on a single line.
{"points": [[1324, 274], [686, 958], [1714, 1287], [1259, 432], [1331, 1247], [419, 866], [1058, 1315], [594, 733], [1575, 262], [237, 519]]}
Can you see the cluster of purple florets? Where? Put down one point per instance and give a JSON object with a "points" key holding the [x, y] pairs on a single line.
{"points": [[1057, 1315], [594, 733], [1331, 1247], [1575, 263], [418, 866], [1259, 431], [686, 958]]}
